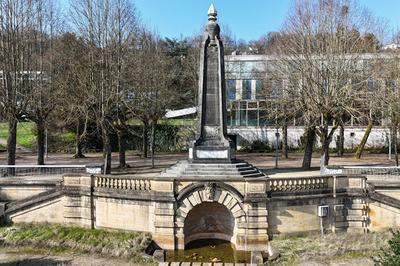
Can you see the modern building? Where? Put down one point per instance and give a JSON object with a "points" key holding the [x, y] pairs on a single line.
{"points": [[248, 103]]}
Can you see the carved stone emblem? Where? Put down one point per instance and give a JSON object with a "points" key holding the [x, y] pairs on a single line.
{"points": [[209, 188]]}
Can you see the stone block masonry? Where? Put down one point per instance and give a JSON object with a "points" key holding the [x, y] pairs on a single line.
{"points": [[178, 211]]}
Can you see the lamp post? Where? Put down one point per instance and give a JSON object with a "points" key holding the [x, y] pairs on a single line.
{"points": [[276, 147], [390, 144]]}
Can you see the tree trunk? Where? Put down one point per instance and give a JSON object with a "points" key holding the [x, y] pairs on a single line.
{"points": [[325, 144], [11, 144], [285, 140], [78, 142], [308, 147], [145, 139], [340, 150], [122, 148], [152, 142], [106, 151], [396, 155], [12, 141], [41, 135], [361, 147]]}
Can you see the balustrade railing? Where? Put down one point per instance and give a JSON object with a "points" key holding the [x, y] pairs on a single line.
{"points": [[122, 183], [272, 184], [297, 184]]}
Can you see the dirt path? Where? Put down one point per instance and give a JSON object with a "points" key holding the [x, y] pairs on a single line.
{"points": [[340, 262]]}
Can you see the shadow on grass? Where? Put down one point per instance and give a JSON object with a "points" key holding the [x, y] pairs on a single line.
{"points": [[36, 262]]}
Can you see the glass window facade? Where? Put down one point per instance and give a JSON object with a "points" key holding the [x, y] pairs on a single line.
{"points": [[259, 90], [246, 89], [253, 88], [231, 89], [246, 110]]}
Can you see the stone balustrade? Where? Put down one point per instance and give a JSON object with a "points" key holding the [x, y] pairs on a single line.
{"points": [[267, 185], [121, 183], [297, 184]]}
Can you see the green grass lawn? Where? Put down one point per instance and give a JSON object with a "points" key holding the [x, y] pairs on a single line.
{"points": [[25, 133], [54, 237], [329, 247]]}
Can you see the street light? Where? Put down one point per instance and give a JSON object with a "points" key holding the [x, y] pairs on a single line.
{"points": [[276, 147]]}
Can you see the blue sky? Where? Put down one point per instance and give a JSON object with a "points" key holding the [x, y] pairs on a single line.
{"points": [[247, 20]]}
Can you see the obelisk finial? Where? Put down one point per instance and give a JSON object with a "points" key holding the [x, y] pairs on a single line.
{"points": [[212, 13]]}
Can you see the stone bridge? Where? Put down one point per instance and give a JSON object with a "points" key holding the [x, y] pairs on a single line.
{"points": [[246, 212]]}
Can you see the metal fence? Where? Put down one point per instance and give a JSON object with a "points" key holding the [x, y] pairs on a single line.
{"points": [[40, 170], [379, 172]]}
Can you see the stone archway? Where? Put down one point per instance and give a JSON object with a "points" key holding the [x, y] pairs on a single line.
{"points": [[192, 211]]}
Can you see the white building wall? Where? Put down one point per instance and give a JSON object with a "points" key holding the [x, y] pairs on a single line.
{"points": [[378, 138]]}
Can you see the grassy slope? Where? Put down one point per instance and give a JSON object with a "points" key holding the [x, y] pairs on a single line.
{"points": [[25, 135], [130, 245], [330, 247], [53, 237]]}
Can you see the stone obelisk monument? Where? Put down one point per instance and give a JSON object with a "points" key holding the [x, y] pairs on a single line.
{"points": [[212, 143], [212, 154]]}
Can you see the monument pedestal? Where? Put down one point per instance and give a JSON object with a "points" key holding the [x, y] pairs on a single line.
{"points": [[214, 154]]}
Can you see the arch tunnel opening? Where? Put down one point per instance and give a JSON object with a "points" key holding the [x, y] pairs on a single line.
{"points": [[209, 232], [208, 221]]}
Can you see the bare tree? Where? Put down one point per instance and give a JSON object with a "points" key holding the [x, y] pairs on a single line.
{"points": [[22, 43], [43, 95], [387, 98], [319, 48], [107, 27], [72, 78], [151, 83]]}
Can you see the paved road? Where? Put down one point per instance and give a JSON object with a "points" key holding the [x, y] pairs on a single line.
{"points": [[287, 167]]}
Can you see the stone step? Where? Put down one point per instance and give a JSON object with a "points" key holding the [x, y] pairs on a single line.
{"points": [[221, 172], [232, 166], [212, 176], [220, 169], [210, 169], [259, 174], [218, 172]]}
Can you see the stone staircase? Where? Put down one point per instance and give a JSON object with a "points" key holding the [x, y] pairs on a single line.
{"points": [[213, 170], [382, 198]]}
